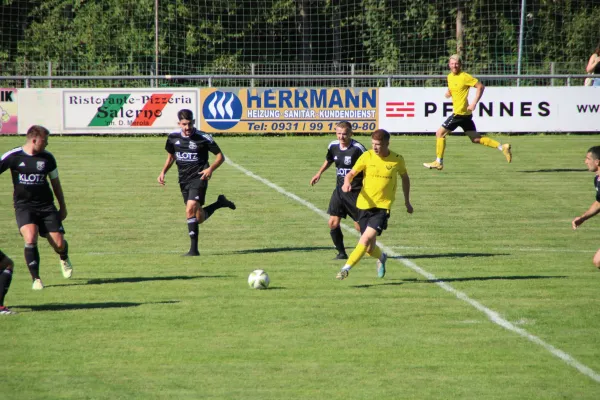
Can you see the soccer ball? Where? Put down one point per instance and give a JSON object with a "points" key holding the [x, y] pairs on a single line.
{"points": [[258, 279]]}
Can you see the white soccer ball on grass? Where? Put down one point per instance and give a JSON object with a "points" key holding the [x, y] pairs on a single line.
{"points": [[258, 279]]}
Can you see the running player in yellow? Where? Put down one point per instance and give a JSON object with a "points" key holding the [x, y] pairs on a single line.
{"points": [[381, 168], [459, 83]]}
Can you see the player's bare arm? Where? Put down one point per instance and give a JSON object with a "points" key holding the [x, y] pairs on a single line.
{"points": [[207, 173], [593, 210], [317, 176], [348, 181], [406, 190], [166, 167], [480, 89], [448, 94], [60, 197]]}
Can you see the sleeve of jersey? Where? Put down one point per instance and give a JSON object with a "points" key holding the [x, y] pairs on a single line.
{"points": [[361, 163], [470, 80], [3, 164], [214, 148], [329, 156], [169, 147]]}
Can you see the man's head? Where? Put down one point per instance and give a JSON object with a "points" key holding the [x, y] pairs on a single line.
{"points": [[37, 137], [186, 121], [592, 159], [380, 140], [343, 131], [455, 64]]}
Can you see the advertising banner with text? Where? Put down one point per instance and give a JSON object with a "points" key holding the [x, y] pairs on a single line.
{"points": [[8, 111], [501, 109], [129, 110], [287, 110]]}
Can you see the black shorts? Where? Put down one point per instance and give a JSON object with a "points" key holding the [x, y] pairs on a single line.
{"points": [[376, 218], [194, 190], [464, 121], [343, 204], [46, 221], [2, 256]]}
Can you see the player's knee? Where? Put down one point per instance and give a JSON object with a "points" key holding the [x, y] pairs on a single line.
{"points": [[596, 261], [333, 224], [6, 264]]}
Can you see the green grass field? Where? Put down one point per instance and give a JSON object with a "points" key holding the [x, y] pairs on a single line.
{"points": [[507, 305]]}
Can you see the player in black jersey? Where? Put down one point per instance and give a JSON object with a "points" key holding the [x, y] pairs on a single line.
{"points": [[6, 271], [31, 166], [592, 161], [189, 147], [342, 152]]}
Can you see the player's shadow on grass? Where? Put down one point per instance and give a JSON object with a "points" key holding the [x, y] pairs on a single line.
{"points": [[449, 255], [87, 306], [137, 279], [280, 249], [555, 170], [466, 279]]}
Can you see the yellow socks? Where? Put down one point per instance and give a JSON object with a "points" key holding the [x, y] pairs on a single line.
{"points": [[375, 252], [486, 141], [358, 253], [440, 147]]}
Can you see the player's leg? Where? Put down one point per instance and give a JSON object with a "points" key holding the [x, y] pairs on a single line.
{"points": [[207, 211], [51, 228], [379, 222], [6, 271], [366, 241], [471, 131], [335, 231], [440, 143], [192, 209], [596, 259], [32, 254], [336, 212]]}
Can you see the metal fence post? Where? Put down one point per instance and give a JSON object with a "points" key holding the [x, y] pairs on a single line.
{"points": [[352, 72], [552, 72], [50, 73], [252, 72]]}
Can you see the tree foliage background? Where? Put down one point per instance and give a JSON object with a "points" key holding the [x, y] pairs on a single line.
{"points": [[117, 37]]}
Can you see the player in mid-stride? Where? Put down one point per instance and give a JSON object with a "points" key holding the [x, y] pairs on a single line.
{"points": [[459, 83], [381, 168], [31, 166], [6, 271], [189, 147], [342, 152], [592, 161]]}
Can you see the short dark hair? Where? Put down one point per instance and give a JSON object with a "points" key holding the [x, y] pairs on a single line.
{"points": [[595, 152], [185, 114], [597, 50], [345, 125], [36, 131], [381, 134]]}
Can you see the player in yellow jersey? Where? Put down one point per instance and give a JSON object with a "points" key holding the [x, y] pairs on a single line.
{"points": [[381, 168], [459, 83]]}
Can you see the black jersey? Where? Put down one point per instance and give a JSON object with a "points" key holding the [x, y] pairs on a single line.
{"points": [[597, 186], [30, 174], [344, 161], [191, 153]]}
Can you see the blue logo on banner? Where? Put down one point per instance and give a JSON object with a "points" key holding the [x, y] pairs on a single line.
{"points": [[222, 110]]}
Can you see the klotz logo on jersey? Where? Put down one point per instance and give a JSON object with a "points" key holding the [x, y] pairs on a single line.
{"points": [[41, 165], [193, 146], [31, 179], [222, 110], [347, 160]]}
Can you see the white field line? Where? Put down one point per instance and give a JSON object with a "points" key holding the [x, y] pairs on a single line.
{"points": [[523, 249], [492, 315]]}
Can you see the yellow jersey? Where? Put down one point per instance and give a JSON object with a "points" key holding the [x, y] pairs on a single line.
{"points": [[459, 86], [380, 179]]}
